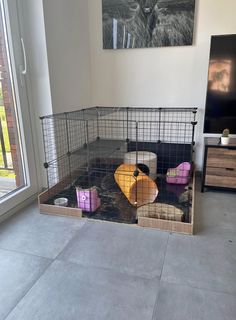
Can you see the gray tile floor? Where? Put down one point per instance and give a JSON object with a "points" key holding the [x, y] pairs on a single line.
{"points": [[68, 269]]}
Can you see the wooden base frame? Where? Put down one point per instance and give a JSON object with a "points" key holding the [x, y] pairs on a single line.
{"points": [[171, 226], [56, 210], [166, 225]]}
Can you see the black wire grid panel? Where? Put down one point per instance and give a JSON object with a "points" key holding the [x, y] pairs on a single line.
{"points": [[85, 148]]}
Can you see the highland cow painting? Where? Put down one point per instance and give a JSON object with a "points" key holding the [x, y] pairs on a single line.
{"points": [[147, 23]]}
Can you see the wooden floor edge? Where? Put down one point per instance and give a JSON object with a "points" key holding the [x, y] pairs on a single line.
{"points": [[160, 224], [62, 211], [170, 225], [166, 225]]}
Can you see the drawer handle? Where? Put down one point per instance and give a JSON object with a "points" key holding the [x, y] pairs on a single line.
{"points": [[229, 169]]}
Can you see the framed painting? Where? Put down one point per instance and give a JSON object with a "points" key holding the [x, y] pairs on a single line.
{"points": [[147, 23]]}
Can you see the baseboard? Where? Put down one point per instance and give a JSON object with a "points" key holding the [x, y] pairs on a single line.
{"points": [[19, 207], [198, 173]]}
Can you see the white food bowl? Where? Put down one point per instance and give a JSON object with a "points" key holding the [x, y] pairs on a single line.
{"points": [[61, 202]]}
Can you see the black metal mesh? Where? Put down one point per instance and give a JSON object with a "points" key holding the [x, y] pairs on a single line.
{"points": [[84, 148]]}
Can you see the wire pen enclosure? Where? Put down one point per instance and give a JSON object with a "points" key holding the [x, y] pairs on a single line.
{"points": [[130, 164]]}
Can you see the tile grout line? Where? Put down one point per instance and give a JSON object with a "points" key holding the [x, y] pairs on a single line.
{"points": [[26, 253], [28, 290], [167, 242], [84, 227], [128, 274], [43, 257], [87, 225], [79, 265], [198, 288], [155, 312], [40, 275], [155, 308], [158, 293]]}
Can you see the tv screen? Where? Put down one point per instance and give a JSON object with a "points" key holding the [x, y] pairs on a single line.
{"points": [[220, 112]]}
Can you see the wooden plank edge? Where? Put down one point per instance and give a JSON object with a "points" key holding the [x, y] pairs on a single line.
{"points": [[166, 225], [192, 210], [170, 225], [56, 210], [62, 211]]}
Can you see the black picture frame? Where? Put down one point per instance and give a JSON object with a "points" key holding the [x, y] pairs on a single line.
{"points": [[147, 23]]}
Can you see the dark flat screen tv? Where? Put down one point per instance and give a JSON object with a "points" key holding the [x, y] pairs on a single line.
{"points": [[220, 111]]}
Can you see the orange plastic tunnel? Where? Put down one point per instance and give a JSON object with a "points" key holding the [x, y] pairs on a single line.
{"points": [[138, 190]]}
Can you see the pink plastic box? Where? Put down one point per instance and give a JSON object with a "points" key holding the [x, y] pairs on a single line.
{"points": [[88, 199], [180, 174]]}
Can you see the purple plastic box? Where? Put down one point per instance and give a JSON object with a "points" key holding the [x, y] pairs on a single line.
{"points": [[88, 199], [180, 174]]}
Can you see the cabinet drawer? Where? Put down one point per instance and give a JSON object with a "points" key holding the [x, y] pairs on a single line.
{"points": [[214, 181], [221, 158], [220, 177], [220, 172]]}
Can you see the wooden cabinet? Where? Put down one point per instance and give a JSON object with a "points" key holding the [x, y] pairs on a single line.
{"points": [[219, 168]]}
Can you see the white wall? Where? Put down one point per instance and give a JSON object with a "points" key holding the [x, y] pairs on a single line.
{"points": [[83, 74], [38, 85], [67, 34], [173, 76]]}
